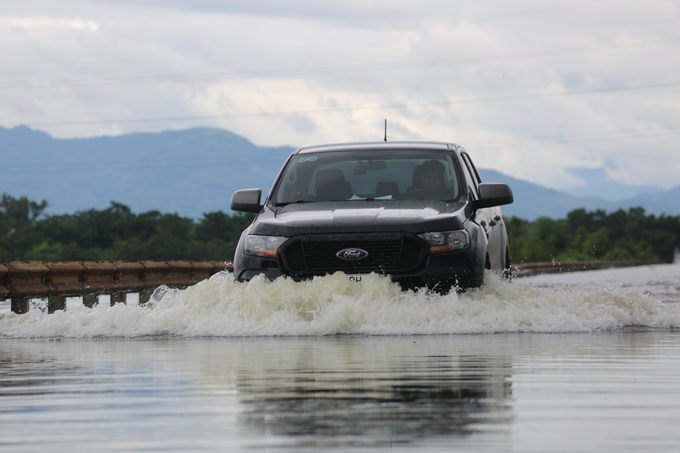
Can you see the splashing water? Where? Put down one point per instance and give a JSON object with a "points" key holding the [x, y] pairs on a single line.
{"points": [[335, 305]]}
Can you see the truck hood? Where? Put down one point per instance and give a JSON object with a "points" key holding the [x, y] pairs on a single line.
{"points": [[357, 217]]}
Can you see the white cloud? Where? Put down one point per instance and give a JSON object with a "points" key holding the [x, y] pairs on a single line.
{"points": [[89, 62], [48, 22]]}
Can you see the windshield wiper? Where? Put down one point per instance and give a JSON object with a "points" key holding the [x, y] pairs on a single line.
{"points": [[279, 205]]}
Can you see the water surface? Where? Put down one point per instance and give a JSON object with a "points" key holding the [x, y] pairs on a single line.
{"points": [[575, 362]]}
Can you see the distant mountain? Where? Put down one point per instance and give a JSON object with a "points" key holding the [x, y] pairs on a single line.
{"points": [[670, 197], [189, 172], [532, 201], [195, 171], [597, 181]]}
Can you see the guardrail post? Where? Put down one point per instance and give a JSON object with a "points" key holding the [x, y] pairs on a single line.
{"points": [[127, 277], [55, 303], [118, 298], [90, 300], [98, 279], [153, 276], [145, 295], [25, 281], [20, 305], [63, 279]]}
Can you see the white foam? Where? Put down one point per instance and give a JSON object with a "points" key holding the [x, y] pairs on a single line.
{"points": [[335, 305]]}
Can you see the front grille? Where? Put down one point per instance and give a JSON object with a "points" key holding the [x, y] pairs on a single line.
{"points": [[390, 255], [410, 255], [295, 257]]}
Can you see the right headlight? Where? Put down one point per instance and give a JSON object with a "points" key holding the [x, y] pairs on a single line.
{"points": [[263, 245], [446, 241]]}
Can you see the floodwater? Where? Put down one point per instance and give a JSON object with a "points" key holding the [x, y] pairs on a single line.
{"points": [[584, 361]]}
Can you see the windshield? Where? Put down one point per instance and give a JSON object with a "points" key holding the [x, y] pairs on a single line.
{"points": [[369, 175]]}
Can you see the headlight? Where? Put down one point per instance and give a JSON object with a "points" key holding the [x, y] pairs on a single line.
{"points": [[264, 245], [446, 241]]}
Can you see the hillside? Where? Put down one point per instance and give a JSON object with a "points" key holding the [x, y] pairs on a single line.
{"points": [[189, 172], [194, 171], [532, 201]]}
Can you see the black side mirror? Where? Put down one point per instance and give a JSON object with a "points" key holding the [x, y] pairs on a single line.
{"points": [[246, 200], [493, 194]]}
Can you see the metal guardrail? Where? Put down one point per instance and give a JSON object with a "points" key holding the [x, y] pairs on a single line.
{"points": [[23, 281]]}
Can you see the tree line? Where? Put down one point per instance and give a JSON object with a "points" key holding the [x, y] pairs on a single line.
{"points": [[116, 233], [595, 236]]}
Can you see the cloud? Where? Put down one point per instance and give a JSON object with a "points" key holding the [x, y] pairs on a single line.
{"points": [[241, 64], [49, 22]]}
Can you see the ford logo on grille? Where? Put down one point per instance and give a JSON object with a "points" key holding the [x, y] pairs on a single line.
{"points": [[352, 254]]}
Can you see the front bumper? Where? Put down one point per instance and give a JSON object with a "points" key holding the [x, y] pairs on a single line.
{"points": [[439, 271]]}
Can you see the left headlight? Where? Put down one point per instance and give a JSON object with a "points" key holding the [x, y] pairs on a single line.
{"points": [[447, 241], [263, 245]]}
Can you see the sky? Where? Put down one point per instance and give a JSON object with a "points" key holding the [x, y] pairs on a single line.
{"points": [[549, 92]]}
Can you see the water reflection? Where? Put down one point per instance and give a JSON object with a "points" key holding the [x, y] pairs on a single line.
{"points": [[392, 396], [474, 392], [314, 391], [433, 396], [31, 372]]}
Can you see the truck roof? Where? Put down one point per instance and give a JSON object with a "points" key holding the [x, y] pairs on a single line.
{"points": [[377, 146]]}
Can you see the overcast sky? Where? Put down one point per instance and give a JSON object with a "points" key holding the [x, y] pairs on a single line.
{"points": [[532, 88]]}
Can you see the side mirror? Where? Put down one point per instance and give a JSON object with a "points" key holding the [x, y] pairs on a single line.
{"points": [[493, 194], [246, 200]]}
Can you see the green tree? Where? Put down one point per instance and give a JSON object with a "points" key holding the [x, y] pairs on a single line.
{"points": [[116, 233], [595, 235], [18, 217], [595, 245]]}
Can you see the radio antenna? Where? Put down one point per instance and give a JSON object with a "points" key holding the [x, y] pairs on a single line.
{"points": [[385, 129]]}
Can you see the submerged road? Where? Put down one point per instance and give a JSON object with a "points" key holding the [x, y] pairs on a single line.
{"points": [[568, 362]]}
